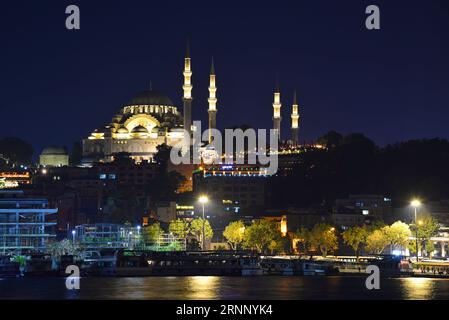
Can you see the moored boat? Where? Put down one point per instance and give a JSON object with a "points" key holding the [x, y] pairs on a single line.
{"points": [[318, 268], [277, 266], [203, 264], [40, 265], [99, 263]]}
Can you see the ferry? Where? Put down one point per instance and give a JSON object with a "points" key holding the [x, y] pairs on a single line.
{"points": [[131, 263], [277, 266], [203, 264], [318, 268], [99, 262]]}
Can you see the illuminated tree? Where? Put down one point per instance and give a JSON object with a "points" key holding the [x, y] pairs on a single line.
{"points": [[63, 247], [179, 228], [427, 229], [152, 233], [323, 237], [234, 234], [196, 229], [430, 248], [260, 235], [355, 237], [302, 237], [376, 241], [398, 234]]}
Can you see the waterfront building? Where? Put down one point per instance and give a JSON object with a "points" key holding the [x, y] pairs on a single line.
{"points": [[102, 235], [14, 179], [185, 211], [166, 211], [370, 206], [125, 171], [232, 188], [54, 157], [26, 224]]}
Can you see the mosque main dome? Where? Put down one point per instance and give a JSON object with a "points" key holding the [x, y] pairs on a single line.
{"points": [[149, 119], [151, 97]]}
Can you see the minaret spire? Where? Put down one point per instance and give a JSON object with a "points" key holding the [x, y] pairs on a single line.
{"points": [[212, 100], [295, 120], [277, 109], [187, 89]]}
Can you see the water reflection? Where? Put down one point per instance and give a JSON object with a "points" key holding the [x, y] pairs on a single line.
{"points": [[182, 288], [418, 288], [202, 287]]}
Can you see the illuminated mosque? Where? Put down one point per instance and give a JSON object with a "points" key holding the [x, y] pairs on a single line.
{"points": [[151, 119]]}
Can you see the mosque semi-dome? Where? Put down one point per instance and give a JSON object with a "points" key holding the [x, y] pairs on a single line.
{"points": [[139, 129], [122, 130]]}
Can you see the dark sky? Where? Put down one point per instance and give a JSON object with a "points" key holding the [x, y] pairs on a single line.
{"points": [[56, 86]]}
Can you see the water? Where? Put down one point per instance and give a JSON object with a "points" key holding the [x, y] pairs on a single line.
{"points": [[187, 288]]}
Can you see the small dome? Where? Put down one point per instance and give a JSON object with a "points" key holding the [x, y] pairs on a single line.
{"points": [[122, 130], [53, 150], [151, 97], [139, 129]]}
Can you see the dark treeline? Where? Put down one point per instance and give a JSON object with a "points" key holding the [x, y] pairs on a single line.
{"points": [[353, 164]]}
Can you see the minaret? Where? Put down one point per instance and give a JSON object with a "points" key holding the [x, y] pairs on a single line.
{"points": [[187, 88], [212, 101], [295, 120], [277, 110]]}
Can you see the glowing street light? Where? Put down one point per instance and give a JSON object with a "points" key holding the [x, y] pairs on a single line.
{"points": [[203, 200], [415, 203], [73, 236]]}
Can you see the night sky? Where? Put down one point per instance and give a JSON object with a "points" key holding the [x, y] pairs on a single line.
{"points": [[57, 85]]}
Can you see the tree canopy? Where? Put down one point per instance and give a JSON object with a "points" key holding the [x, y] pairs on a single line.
{"points": [[353, 164], [16, 150], [179, 228], [234, 234], [324, 238]]}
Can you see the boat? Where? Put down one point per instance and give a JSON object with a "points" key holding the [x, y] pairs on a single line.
{"points": [[250, 267], [132, 264], [318, 268], [99, 263], [8, 268], [277, 266], [40, 265], [203, 264], [393, 266]]}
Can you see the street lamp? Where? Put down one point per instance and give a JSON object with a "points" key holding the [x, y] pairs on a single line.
{"points": [[73, 236], [203, 201], [129, 239], [138, 241], [415, 204]]}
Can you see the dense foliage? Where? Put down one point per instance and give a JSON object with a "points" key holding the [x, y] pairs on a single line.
{"points": [[353, 164]]}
